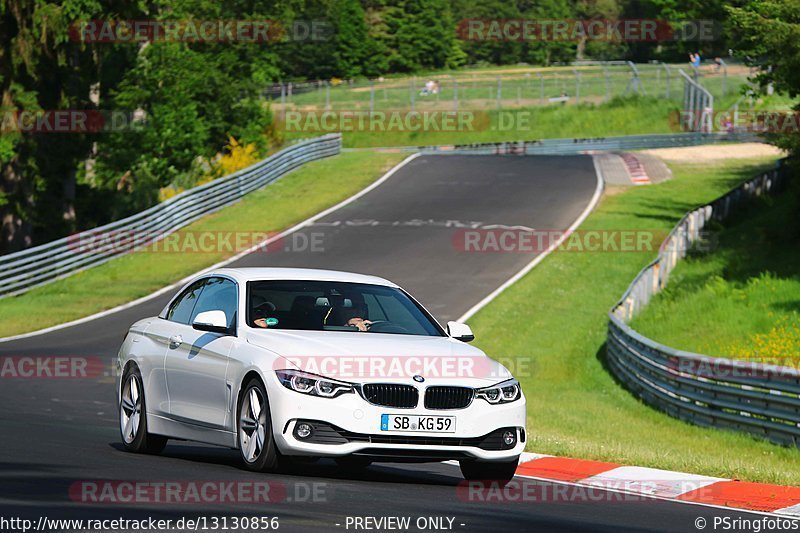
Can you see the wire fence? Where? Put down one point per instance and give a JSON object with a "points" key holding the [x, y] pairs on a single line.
{"points": [[39, 265], [760, 399], [511, 88]]}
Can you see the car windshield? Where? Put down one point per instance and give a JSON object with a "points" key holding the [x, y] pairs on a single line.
{"points": [[336, 306]]}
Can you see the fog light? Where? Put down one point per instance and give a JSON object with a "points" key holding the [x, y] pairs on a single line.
{"points": [[303, 430], [509, 438]]}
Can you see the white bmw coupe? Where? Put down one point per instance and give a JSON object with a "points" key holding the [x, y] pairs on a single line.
{"points": [[284, 363]]}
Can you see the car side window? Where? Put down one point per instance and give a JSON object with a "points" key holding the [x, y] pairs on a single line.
{"points": [[181, 309], [218, 294]]}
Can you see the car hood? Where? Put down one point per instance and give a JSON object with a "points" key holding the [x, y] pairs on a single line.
{"points": [[372, 357]]}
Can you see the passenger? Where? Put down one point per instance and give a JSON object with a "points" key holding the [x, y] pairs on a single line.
{"points": [[260, 313]]}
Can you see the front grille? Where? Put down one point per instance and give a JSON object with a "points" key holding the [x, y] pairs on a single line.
{"points": [[448, 397], [325, 433], [391, 395]]}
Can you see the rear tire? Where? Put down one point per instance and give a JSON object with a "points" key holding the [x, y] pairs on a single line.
{"points": [[501, 472], [256, 445], [133, 416]]}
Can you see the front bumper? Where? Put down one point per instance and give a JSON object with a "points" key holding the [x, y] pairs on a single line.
{"points": [[349, 425]]}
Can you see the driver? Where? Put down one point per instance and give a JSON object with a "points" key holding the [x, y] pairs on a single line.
{"points": [[356, 317], [359, 323]]}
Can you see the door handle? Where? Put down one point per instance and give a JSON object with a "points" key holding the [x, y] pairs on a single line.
{"points": [[175, 341]]}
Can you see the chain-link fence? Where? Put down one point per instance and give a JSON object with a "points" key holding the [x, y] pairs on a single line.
{"points": [[513, 87]]}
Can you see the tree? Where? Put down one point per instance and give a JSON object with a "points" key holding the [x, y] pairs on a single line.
{"points": [[767, 35], [42, 68], [192, 97], [350, 41]]}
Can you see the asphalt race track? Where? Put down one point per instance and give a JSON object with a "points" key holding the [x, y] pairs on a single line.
{"points": [[57, 433]]}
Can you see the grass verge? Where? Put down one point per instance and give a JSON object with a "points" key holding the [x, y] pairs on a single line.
{"points": [[744, 296], [622, 116], [552, 326], [292, 199]]}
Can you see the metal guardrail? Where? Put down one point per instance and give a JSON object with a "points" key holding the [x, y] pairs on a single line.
{"points": [[23, 270], [757, 398], [578, 145]]}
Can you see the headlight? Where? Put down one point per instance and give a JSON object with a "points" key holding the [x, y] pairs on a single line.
{"points": [[504, 392], [312, 384]]}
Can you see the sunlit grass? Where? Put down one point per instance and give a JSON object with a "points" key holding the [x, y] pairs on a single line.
{"points": [[552, 325], [743, 295]]}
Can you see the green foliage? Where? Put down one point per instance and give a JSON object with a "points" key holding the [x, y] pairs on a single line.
{"points": [[350, 41], [768, 34], [189, 98]]}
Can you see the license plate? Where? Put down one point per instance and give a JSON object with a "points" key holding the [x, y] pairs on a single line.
{"points": [[419, 423]]}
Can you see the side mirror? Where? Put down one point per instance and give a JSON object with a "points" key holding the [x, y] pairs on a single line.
{"points": [[213, 321], [459, 331]]}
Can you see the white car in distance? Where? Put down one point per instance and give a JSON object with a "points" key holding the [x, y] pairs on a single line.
{"points": [[285, 363]]}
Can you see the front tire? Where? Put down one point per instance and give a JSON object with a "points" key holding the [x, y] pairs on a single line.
{"points": [[501, 472], [256, 445], [133, 416]]}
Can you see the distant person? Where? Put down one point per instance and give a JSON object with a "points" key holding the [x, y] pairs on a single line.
{"points": [[694, 59], [727, 123]]}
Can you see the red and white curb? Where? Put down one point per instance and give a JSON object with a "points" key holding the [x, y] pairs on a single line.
{"points": [[636, 169], [663, 484]]}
